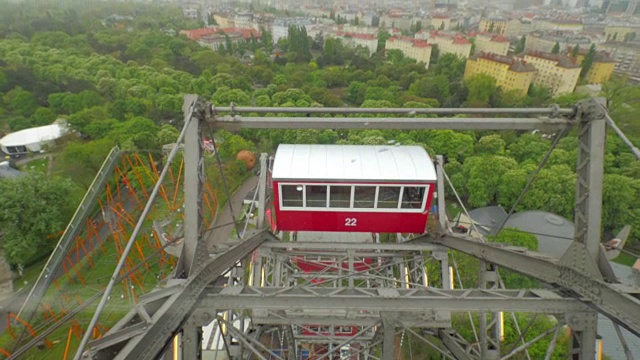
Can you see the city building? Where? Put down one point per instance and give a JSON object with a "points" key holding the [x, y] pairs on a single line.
{"points": [[620, 33], [601, 69], [448, 43], [510, 73], [440, 22], [280, 27], [501, 26], [490, 43], [549, 24], [418, 50], [627, 7], [544, 41], [354, 40], [626, 56], [558, 73], [213, 38]]}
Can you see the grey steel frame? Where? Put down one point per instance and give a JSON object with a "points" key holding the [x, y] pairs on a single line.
{"points": [[581, 273]]}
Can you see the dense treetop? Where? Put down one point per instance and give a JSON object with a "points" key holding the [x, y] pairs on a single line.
{"points": [[122, 81]]}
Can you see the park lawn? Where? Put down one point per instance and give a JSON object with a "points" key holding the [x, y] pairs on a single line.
{"points": [[40, 165]]}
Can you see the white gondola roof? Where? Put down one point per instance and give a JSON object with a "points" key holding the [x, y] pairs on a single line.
{"points": [[353, 162]]}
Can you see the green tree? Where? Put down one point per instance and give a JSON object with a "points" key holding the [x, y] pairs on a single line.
{"points": [[515, 237], [21, 102], [435, 54], [43, 116], [556, 48], [383, 36], [481, 88], [620, 194], [589, 58], [484, 174], [490, 145], [34, 207], [434, 87], [553, 191], [575, 51], [521, 44]]}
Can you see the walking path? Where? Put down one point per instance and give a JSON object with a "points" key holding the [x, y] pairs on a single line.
{"points": [[223, 226]]}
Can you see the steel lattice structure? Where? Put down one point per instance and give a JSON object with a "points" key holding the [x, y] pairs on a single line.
{"points": [[392, 296]]}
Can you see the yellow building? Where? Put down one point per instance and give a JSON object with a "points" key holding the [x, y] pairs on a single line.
{"points": [[418, 50], [601, 69], [510, 73], [558, 73], [491, 43], [619, 33]]}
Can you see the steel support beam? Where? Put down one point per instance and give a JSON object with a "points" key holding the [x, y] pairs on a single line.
{"points": [[551, 111], [583, 334], [411, 245], [383, 299], [329, 319], [235, 123], [388, 337], [193, 188], [173, 313], [442, 209], [619, 302], [490, 324], [191, 342], [584, 253], [458, 346], [262, 190]]}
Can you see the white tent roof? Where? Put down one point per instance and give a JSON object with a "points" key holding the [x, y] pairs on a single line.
{"points": [[353, 162], [34, 135]]}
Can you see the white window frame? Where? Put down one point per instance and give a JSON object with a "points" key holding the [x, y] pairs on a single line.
{"points": [[428, 188]]}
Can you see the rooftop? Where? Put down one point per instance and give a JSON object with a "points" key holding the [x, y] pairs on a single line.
{"points": [[515, 64], [34, 135], [561, 60]]}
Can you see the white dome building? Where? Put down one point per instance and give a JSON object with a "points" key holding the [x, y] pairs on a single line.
{"points": [[33, 139]]}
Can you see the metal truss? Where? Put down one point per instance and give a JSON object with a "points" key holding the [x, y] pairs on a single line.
{"points": [[617, 301], [395, 296], [143, 332], [383, 299]]}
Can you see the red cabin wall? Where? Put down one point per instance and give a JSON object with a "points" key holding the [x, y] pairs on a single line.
{"points": [[376, 222], [317, 266]]}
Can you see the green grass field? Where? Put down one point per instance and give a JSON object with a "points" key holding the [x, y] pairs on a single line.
{"points": [[40, 165]]}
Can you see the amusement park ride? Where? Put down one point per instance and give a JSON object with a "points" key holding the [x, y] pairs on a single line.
{"points": [[314, 272]]}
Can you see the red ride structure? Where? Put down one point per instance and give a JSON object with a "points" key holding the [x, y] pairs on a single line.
{"points": [[352, 188]]}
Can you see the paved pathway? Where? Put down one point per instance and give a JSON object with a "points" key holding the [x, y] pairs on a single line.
{"points": [[223, 226]]}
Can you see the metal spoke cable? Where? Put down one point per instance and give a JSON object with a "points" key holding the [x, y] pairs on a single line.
{"points": [[458, 198], [224, 183], [621, 135], [532, 178], [455, 268]]}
